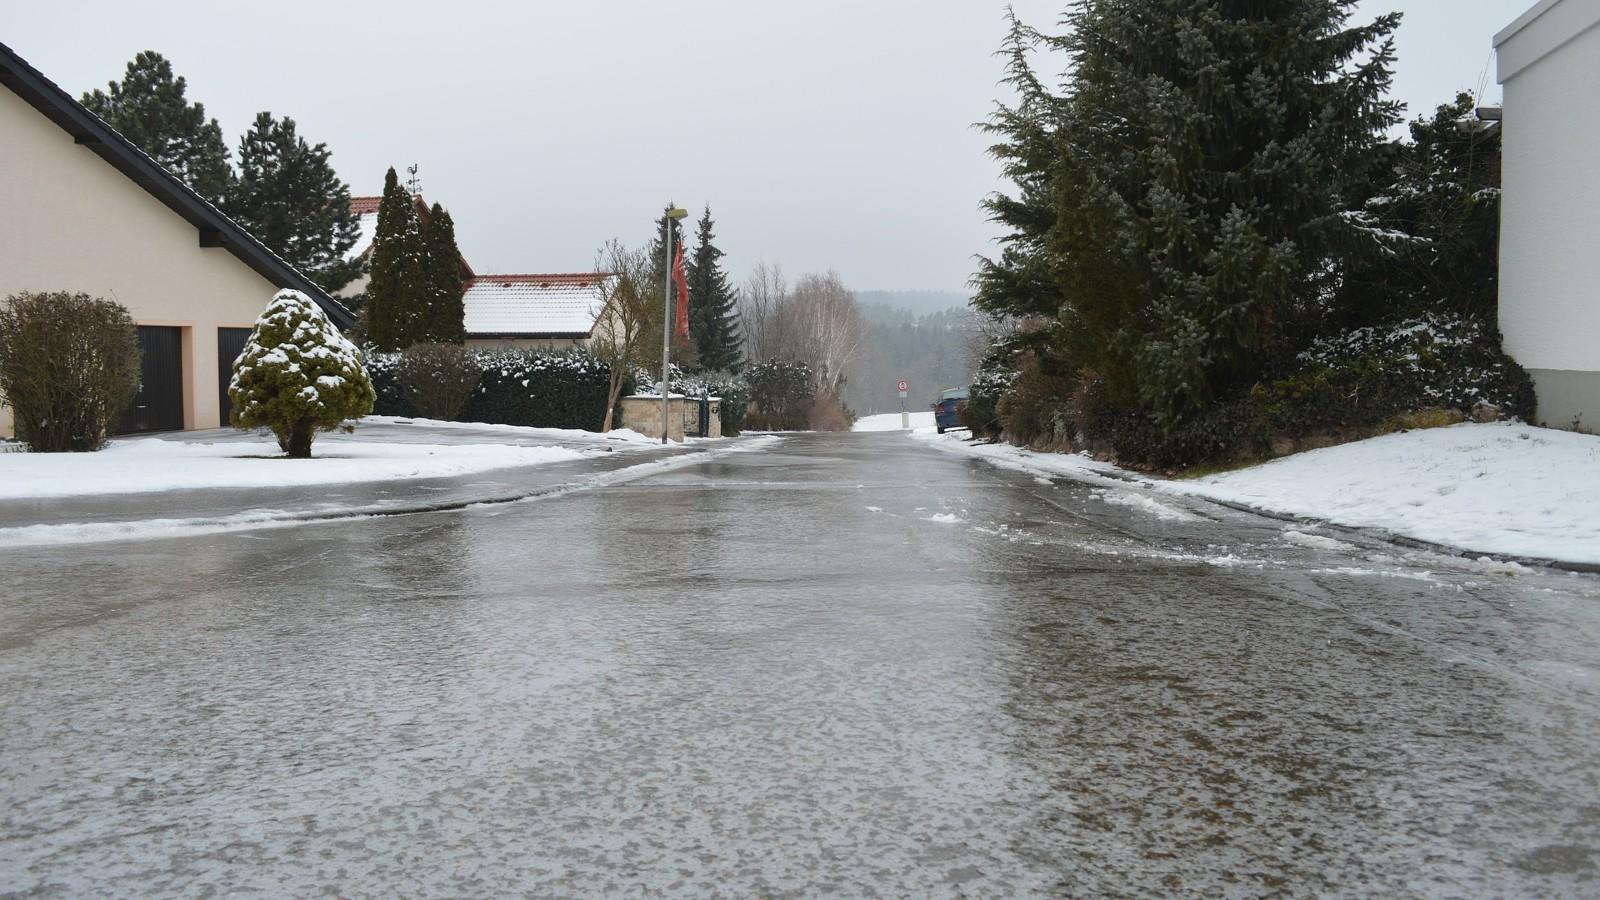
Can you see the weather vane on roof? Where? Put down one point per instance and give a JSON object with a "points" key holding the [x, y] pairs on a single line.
{"points": [[414, 183]]}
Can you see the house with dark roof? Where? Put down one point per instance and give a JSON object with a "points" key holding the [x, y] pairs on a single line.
{"points": [[85, 210], [538, 310]]}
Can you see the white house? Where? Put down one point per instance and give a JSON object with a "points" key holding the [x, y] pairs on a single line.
{"points": [[1550, 225], [82, 209]]}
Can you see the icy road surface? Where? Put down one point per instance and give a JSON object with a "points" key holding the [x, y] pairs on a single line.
{"points": [[846, 665]]}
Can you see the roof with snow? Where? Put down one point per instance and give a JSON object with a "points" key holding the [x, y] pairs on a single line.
{"points": [[214, 228], [535, 306]]}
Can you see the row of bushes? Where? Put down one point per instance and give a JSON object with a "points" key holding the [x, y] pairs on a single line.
{"points": [[1349, 387], [538, 388]]}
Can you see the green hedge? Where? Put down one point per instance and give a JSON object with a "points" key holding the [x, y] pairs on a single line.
{"points": [[538, 388], [1345, 387]]}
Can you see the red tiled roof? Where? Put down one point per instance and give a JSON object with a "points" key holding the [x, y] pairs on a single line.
{"points": [[545, 278], [362, 206]]}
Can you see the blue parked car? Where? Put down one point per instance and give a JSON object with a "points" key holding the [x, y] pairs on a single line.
{"points": [[947, 412]]}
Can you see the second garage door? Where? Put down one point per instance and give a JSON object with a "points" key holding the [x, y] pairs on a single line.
{"points": [[159, 404], [230, 343]]}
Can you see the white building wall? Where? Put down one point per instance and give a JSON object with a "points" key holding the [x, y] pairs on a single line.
{"points": [[71, 222], [1550, 236]]}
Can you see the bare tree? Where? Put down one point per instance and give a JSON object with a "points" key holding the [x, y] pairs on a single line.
{"points": [[825, 326], [621, 336], [760, 304]]}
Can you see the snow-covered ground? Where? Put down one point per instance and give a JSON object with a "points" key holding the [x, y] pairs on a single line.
{"points": [[920, 422], [625, 435], [1506, 489], [143, 465]]}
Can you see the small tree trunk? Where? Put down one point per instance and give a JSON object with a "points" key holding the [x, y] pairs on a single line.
{"points": [[612, 391], [298, 443]]}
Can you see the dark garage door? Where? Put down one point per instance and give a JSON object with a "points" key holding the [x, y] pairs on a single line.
{"points": [[230, 343], [159, 404]]}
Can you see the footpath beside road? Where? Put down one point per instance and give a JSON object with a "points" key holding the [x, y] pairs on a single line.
{"points": [[1506, 490], [222, 480]]}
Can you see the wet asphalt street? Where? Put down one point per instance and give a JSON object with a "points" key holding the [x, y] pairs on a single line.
{"points": [[844, 665]]}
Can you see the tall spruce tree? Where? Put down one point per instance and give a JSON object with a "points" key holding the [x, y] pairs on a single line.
{"points": [[444, 319], [1180, 201], [713, 314], [1428, 238], [396, 302], [288, 196], [149, 108]]}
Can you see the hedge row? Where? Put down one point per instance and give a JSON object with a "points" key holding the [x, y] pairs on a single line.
{"points": [[538, 388], [1348, 387]]}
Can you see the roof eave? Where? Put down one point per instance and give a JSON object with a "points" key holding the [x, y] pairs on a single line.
{"points": [[214, 228]]}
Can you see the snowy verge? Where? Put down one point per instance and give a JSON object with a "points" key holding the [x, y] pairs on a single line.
{"points": [[625, 435], [1505, 489], [265, 519], [150, 464], [921, 423]]}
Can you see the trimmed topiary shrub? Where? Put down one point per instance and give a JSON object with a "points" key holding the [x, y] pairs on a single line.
{"points": [[438, 380], [298, 375], [69, 366]]}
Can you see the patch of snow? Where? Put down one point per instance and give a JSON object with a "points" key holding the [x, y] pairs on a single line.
{"points": [[944, 519], [626, 435], [147, 465], [1317, 542], [1502, 488], [1133, 499], [922, 422]]}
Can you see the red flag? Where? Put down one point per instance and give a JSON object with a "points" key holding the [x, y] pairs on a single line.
{"points": [[679, 279]]}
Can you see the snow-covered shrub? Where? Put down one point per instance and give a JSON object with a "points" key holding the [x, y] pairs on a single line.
{"points": [[298, 375], [981, 413], [539, 388], [781, 395], [1365, 376], [1344, 387], [69, 367], [438, 379]]}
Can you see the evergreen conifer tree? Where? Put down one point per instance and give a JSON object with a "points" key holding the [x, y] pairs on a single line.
{"points": [[713, 315], [149, 108], [297, 375], [444, 319], [397, 293], [288, 196], [1180, 201]]}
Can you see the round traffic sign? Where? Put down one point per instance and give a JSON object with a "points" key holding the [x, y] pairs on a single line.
{"points": [[902, 386]]}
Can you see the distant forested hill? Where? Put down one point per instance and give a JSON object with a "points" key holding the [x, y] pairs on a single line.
{"points": [[932, 349], [917, 302]]}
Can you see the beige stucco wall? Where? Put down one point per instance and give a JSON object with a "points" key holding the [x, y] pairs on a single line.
{"points": [[71, 222]]}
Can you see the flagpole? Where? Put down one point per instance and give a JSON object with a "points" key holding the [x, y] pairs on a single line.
{"points": [[673, 215]]}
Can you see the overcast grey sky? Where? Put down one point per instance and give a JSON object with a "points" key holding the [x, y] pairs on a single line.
{"points": [[823, 133]]}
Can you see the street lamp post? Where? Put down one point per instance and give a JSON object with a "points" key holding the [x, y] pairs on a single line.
{"points": [[674, 214]]}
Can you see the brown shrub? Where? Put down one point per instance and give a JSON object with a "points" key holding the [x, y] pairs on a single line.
{"points": [[438, 379], [69, 367]]}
